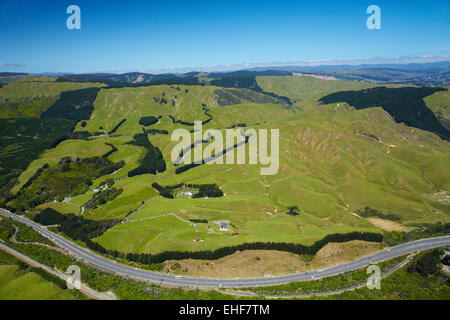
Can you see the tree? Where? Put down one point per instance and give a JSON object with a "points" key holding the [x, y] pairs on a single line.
{"points": [[427, 263], [293, 211]]}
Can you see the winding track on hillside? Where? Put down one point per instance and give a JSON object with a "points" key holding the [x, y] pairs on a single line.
{"points": [[111, 266]]}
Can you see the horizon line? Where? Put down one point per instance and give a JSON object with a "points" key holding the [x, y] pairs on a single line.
{"points": [[404, 60]]}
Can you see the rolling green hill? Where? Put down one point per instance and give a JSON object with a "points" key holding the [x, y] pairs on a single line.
{"points": [[30, 96], [439, 103], [405, 105], [334, 160], [16, 285], [36, 113], [19, 281], [308, 90]]}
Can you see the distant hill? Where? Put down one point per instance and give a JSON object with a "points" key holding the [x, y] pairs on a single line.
{"points": [[12, 74], [6, 77], [422, 74]]}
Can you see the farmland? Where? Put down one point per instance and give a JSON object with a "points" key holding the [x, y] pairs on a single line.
{"points": [[19, 281]]}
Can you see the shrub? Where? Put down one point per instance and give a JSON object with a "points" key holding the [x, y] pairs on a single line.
{"points": [[370, 212], [427, 263], [116, 127], [148, 121]]}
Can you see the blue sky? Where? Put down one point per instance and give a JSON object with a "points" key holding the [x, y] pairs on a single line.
{"points": [[148, 35]]}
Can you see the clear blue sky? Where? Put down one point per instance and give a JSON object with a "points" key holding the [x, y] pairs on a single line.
{"points": [[144, 35]]}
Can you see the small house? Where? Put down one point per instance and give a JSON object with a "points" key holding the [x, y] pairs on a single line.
{"points": [[224, 225]]}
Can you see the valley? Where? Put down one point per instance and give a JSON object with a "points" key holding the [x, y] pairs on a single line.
{"points": [[334, 159]]}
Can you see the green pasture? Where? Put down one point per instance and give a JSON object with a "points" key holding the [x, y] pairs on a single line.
{"points": [[16, 284], [333, 160]]}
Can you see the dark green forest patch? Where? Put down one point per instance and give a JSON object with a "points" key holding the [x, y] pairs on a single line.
{"points": [[68, 178], [293, 211], [81, 135], [117, 126], [23, 139], [148, 121], [227, 97], [25, 107], [426, 263], [368, 212], [76, 227], [153, 161], [73, 105]]}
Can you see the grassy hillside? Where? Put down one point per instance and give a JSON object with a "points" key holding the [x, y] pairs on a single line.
{"points": [[308, 90], [17, 285], [30, 96], [35, 114], [334, 160], [439, 103], [21, 282], [326, 171], [21, 141], [405, 105]]}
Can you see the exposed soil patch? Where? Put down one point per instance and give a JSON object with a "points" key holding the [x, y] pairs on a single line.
{"points": [[140, 78], [387, 225], [336, 253]]}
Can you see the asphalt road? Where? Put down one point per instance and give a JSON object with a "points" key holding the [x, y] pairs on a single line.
{"points": [[167, 279]]}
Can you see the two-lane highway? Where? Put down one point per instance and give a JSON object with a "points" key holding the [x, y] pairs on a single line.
{"points": [[100, 262]]}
